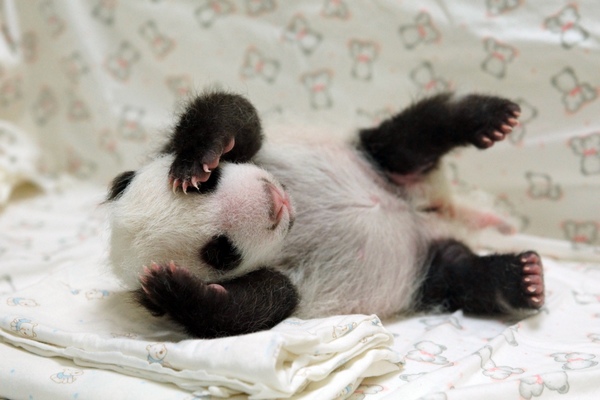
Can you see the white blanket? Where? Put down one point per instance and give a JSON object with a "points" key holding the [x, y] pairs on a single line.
{"points": [[78, 312]]}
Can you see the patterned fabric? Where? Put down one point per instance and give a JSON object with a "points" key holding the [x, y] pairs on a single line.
{"points": [[96, 83], [88, 88]]}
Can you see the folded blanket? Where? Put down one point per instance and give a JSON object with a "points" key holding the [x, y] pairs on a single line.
{"points": [[80, 313]]}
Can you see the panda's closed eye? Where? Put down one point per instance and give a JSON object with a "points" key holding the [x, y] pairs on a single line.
{"points": [[221, 254]]}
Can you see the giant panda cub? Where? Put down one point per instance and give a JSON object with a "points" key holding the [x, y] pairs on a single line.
{"points": [[227, 233]]}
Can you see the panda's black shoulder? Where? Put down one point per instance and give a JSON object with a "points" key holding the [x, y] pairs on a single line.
{"points": [[119, 184]]}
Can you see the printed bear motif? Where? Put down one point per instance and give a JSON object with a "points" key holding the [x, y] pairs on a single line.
{"points": [[574, 94], [566, 24], [363, 53], [498, 58], [541, 186], [55, 23], [422, 31], [74, 67], [318, 84], [580, 233], [130, 124], [21, 302], [534, 385], [430, 352], [336, 9], [120, 63], [426, 79], [45, 106], [342, 330], [67, 376], [104, 11], [212, 10], [574, 361], [299, 32], [159, 43], [257, 65], [490, 369], [24, 327], [156, 353], [434, 322], [588, 147]]}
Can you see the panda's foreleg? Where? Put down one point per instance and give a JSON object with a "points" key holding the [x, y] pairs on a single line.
{"points": [[456, 278], [214, 126], [255, 301], [413, 141]]}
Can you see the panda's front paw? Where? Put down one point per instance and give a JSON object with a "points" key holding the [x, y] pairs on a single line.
{"points": [[167, 288], [191, 170]]}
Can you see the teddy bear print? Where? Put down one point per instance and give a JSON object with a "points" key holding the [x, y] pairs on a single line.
{"points": [[509, 335], [259, 7], [426, 79], [54, 22], [581, 234], [212, 10], [411, 377], [156, 353], [362, 391], [427, 351], [586, 298], [588, 148], [342, 330], [67, 375], [24, 327], [318, 84], [79, 166], [21, 302], [574, 94], [77, 110], [491, 370], [541, 186], [104, 11], [422, 30], [130, 123], [336, 9], [363, 54], [499, 55], [120, 63], [574, 361], [528, 113], [74, 67], [299, 32], [257, 65], [566, 24], [180, 85], [159, 43], [497, 7], [533, 386]]}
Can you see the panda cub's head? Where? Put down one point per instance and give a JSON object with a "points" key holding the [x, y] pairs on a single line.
{"points": [[236, 222]]}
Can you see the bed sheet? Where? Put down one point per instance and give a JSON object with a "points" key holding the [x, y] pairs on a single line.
{"points": [[66, 330], [87, 89]]}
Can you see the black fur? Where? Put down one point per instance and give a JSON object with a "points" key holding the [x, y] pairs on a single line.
{"points": [[221, 254], [411, 142], [414, 140], [494, 284], [206, 127], [119, 184], [253, 302]]}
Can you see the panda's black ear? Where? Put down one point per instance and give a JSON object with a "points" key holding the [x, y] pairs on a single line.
{"points": [[119, 184]]}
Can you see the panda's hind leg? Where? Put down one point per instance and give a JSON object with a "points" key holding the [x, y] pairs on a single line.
{"points": [[413, 141], [253, 302], [456, 278]]}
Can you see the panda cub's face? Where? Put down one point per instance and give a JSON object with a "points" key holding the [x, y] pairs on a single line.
{"points": [[236, 222]]}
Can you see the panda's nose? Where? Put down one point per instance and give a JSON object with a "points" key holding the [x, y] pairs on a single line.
{"points": [[280, 202]]}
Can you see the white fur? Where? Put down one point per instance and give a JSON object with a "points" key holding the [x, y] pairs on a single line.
{"points": [[359, 243]]}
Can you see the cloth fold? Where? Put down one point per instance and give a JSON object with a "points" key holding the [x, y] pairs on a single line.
{"points": [[81, 314]]}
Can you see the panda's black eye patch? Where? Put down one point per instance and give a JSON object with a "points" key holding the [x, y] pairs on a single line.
{"points": [[221, 254]]}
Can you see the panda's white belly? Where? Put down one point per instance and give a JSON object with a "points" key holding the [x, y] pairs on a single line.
{"points": [[356, 245]]}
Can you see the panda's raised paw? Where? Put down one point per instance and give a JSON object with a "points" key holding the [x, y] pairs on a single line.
{"points": [[191, 171], [500, 118]]}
